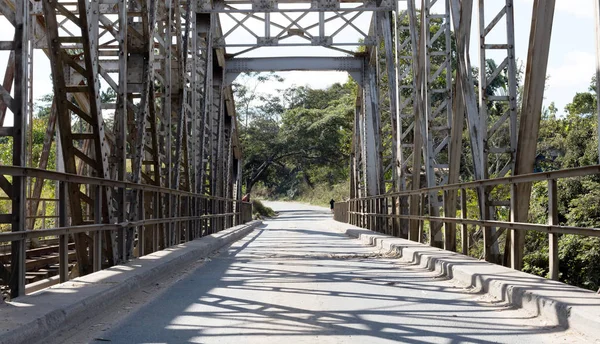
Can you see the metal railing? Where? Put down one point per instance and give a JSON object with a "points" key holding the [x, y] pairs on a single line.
{"points": [[199, 215], [386, 213]]}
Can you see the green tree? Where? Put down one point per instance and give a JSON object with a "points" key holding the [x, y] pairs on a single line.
{"points": [[302, 136], [568, 142]]}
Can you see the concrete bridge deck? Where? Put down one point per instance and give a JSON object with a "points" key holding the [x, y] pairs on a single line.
{"points": [[298, 280]]}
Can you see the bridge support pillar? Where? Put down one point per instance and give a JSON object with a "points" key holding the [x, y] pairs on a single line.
{"points": [[370, 134]]}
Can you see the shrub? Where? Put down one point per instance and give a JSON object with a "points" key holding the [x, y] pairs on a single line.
{"points": [[259, 210]]}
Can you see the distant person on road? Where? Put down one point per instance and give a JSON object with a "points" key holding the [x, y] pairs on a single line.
{"points": [[332, 202]]}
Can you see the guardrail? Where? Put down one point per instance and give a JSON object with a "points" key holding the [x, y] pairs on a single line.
{"points": [[340, 211], [246, 212], [198, 215], [383, 213]]}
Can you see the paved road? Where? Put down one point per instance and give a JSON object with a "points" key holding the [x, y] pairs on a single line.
{"points": [[295, 280]]}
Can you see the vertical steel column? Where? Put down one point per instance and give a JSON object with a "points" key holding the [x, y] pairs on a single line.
{"points": [[553, 221], [404, 47], [141, 233], [370, 134], [121, 128], [184, 96], [97, 235], [18, 106], [464, 234], [438, 110], [385, 63], [461, 15], [216, 140], [418, 63], [462, 12], [535, 77], [356, 183], [63, 251], [497, 125], [204, 28]]}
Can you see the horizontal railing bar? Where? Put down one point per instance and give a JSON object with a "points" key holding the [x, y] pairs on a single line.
{"points": [[523, 178], [30, 234], [73, 178], [489, 223], [32, 199]]}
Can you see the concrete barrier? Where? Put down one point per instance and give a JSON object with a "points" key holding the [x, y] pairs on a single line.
{"points": [[30, 318], [558, 303]]}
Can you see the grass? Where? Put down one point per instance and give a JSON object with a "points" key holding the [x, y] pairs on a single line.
{"points": [[319, 195], [322, 194], [260, 211]]}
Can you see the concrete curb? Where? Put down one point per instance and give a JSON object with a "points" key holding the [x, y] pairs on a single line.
{"points": [[33, 317], [557, 303]]}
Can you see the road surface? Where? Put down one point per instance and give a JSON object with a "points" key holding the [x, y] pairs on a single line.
{"points": [[296, 280]]}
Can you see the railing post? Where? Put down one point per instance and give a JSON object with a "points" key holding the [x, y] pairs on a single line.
{"points": [[464, 234], [195, 214], [209, 221], [360, 218], [141, 228], [63, 241], [414, 210], [387, 212], [169, 224], [177, 224], [350, 214], [485, 215], [189, 213], [516, 255], [43, 214], [374, 217], [185, 224], [192, 214], [97, 236], [350, 210], [369, 217], [395, 221], [553, 221], [364, 210], [156, 227], [359, 215], [122, 241], [449, 201], [422, 213]]}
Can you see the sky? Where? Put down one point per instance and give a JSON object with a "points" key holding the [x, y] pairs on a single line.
{"points": [[570, 68]]}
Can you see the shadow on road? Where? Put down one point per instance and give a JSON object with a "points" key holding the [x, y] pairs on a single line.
{"points": [[315, 285]]}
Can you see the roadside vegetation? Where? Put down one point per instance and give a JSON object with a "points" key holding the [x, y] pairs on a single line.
{"points": [[297, 147], [260, 211]]}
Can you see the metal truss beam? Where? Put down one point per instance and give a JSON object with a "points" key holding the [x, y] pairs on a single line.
{"points": [[296, 26], [498, 113], [438, 106], [72, 81], [533, 96], [17, 73], [352, 65]]}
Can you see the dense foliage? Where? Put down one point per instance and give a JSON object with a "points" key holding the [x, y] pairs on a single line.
{"points": [[37, 136], [567, 142], [300, 140]]}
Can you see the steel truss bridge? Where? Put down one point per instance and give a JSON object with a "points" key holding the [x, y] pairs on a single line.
{"points": [[160, 163]]}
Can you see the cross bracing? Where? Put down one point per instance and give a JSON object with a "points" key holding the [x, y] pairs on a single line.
{"points": [[144, 120]]}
